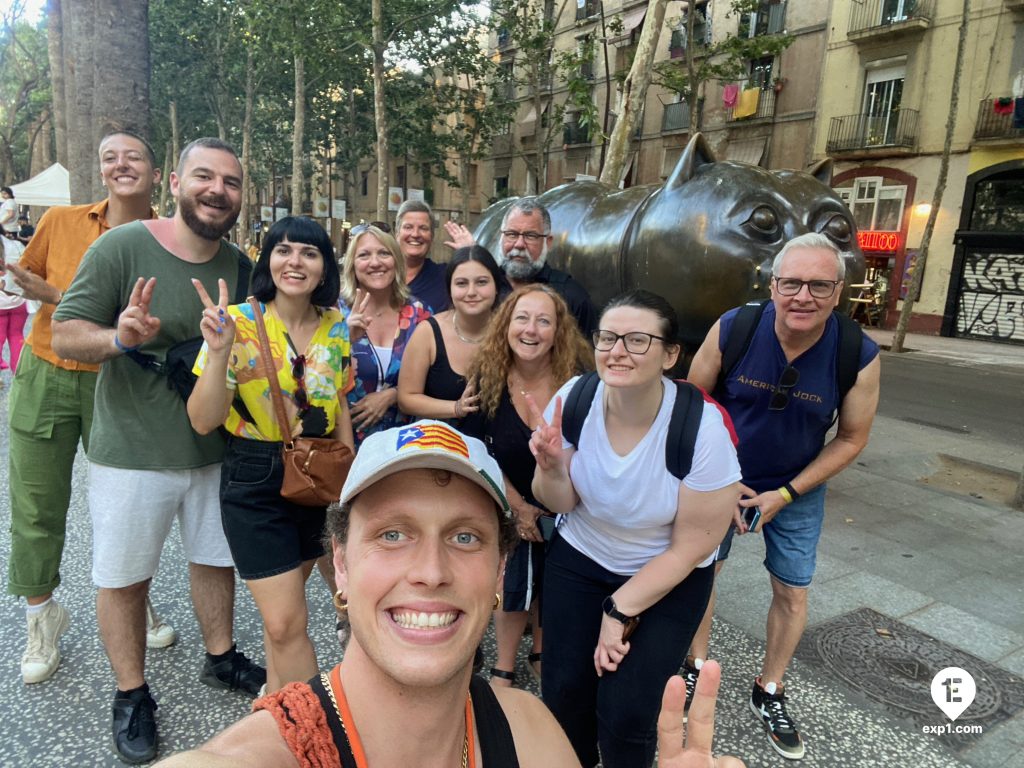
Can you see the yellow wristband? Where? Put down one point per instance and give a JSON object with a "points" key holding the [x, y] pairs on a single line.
{"points": [[786, 495]]}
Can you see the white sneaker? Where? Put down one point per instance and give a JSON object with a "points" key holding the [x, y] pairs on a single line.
{"points": [[159, 634], [42, 654]]}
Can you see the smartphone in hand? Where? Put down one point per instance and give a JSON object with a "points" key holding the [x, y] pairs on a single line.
{"points": [[751, 516]]}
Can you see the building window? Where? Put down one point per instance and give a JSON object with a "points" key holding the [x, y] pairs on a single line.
{"points": [[761, 72], [999, 203], [876, 206], [768, 19], [585, 9], [364, 184], [883, 94], [507, 81], [500, 187], [400, 176]]}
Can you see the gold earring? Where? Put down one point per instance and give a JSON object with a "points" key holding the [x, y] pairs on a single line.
{"points": [[339, 602], [497, 601]]}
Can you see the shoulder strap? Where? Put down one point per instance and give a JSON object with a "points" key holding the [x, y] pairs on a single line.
{"points": [[334, 722], [244, 276], [740, 336], [577, 406], [267, 358], [497, 747], [851, 338], [682, 428]]}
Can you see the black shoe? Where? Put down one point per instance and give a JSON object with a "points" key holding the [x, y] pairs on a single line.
{"points": [[235, 673], [690, 674], [781, 730], [135, 726]]}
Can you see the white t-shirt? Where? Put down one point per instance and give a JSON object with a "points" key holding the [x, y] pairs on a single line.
{"points": [[628, 503], [384, 361], [9, 207]]}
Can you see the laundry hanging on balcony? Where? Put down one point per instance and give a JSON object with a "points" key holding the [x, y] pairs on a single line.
{"points": [[747, 104], [1003, 105], [730, 94]]}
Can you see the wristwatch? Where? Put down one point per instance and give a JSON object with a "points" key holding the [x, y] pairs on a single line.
{"points": [[628, 622]]}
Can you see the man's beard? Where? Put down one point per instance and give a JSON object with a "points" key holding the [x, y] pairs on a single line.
{"points": [[523, 270], [188, 206]]}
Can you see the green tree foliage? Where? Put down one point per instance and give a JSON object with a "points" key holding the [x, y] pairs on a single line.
{"points": [[24, 94]]}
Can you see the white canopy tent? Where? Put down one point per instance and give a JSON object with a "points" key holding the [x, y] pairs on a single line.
{"points": [[51, 187]]}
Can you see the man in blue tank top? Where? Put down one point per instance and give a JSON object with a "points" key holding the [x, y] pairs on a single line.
{"points": [[783, 395]]}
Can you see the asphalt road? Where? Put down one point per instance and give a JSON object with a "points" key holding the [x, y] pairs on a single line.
{"points": [[985, 402]]}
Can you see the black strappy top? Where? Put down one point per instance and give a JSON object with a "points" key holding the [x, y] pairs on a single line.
{"points": [[442, 382]]}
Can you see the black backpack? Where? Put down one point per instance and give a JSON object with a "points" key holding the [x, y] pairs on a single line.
{"points": [[682, 426], [177, 363], [851, 338]]}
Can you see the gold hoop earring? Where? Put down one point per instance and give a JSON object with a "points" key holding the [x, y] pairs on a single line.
{"points": [[497, 601], [339, 602]]}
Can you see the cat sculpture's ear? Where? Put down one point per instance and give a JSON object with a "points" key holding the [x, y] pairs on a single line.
{"points": [[696, 154], [822, 171]]}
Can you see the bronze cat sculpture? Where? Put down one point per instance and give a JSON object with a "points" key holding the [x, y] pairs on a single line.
{"points": [[704, 240]]}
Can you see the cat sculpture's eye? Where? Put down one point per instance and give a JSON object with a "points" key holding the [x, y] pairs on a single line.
{"points": [[764, 220], [837, 228]]}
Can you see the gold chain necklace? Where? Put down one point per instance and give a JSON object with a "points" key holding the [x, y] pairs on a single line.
{"points": [[325, 680], [459, 334]]}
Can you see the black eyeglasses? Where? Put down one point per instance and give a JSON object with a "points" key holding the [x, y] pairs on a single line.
{"points": [[299, 374], [531, 237], [635, 342], [780, 395], [820, 289]]}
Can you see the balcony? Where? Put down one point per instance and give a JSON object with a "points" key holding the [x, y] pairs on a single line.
{"points": [[677, 43], [866, 135], [585, 9], [676, 117], [765, 108], [887, 20], [993, 127], [504, 38]]}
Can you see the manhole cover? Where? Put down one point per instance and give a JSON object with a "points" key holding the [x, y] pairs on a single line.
{"points": [[894, 664]]}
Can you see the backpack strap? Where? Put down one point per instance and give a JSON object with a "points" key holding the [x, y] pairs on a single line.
{"points": [[577, 406], [244, 276], [851, 340], [682, 428], [740, 335]]}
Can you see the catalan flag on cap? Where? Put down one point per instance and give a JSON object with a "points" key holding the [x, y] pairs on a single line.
{"points": [[432, 436]]}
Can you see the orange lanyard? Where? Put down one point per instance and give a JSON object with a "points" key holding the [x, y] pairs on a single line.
{"points": [[349, 723]]}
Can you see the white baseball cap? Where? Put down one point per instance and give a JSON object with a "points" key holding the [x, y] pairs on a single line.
{"points": [[425, 444]]}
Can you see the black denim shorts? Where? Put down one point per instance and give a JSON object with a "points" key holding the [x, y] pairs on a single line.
{"points": [[267, 534]]}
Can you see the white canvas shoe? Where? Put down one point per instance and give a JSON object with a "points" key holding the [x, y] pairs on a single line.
{"points": [[42, 654], [159, 634]]}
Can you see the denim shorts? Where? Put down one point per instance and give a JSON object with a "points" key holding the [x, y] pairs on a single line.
{"points": [[268, 535], [790, 539]]}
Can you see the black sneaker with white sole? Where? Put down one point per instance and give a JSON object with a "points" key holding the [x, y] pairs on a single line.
{"points": [[689, 675], [782, 733]]}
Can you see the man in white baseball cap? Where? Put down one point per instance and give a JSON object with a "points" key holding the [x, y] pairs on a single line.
{"points": [[419, 541]]}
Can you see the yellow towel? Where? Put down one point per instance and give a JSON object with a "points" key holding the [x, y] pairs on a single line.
{"points": [[747, 104]]}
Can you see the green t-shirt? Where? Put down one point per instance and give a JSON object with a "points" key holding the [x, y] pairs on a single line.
{"points": [[139, 422]]}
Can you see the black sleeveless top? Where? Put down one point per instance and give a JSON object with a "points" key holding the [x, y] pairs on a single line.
{"points": [[497, 748], [442, 382]]}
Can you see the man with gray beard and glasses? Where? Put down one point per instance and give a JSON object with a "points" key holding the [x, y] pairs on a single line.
{"points": [[134, 293], [525, 239]]}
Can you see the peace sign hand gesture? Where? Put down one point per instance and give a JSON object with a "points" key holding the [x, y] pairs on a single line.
{"points": [[358, 319], [546, 440], [135, 326], [689, 746], [216, 325]]}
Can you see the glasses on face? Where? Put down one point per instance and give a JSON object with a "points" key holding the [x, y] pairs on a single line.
{"points": [[299, 374], [780, 395], [531, 237], [820, 289], [635, 342]]}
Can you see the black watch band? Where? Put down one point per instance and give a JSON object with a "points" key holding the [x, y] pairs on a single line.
{"points": [[628, 622]]}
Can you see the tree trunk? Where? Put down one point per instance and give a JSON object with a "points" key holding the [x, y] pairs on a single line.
{"points": [[77, 17], [1018, 496], [940, 187], [297, 130], [247, 186], [120, 93], [379, 115], [165, 180], [634, 92], [55, 50], [175, 138]]}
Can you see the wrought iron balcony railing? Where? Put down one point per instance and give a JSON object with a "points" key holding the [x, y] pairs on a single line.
{"points": [[991, 125], [864, 131], [765, 107], [885, 14]]}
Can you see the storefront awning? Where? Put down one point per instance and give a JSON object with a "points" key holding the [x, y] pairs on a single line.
{"points": [[630, 21]]}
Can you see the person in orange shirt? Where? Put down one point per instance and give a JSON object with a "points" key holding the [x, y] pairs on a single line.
{"points": [[51, 399]]}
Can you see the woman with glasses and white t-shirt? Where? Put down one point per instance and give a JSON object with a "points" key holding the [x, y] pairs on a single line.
{"points": [[627, 576]]}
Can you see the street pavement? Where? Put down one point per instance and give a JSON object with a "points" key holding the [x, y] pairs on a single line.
{"points": [[930, 563]]}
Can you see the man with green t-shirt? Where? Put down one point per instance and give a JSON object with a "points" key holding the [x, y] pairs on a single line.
{"points": [[146, 464]]}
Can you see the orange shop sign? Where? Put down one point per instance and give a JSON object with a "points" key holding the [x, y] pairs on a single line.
{"points": [[878, 241]]}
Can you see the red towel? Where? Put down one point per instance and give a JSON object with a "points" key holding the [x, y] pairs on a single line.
{"points": [[730, 94], [1003, 106]]}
